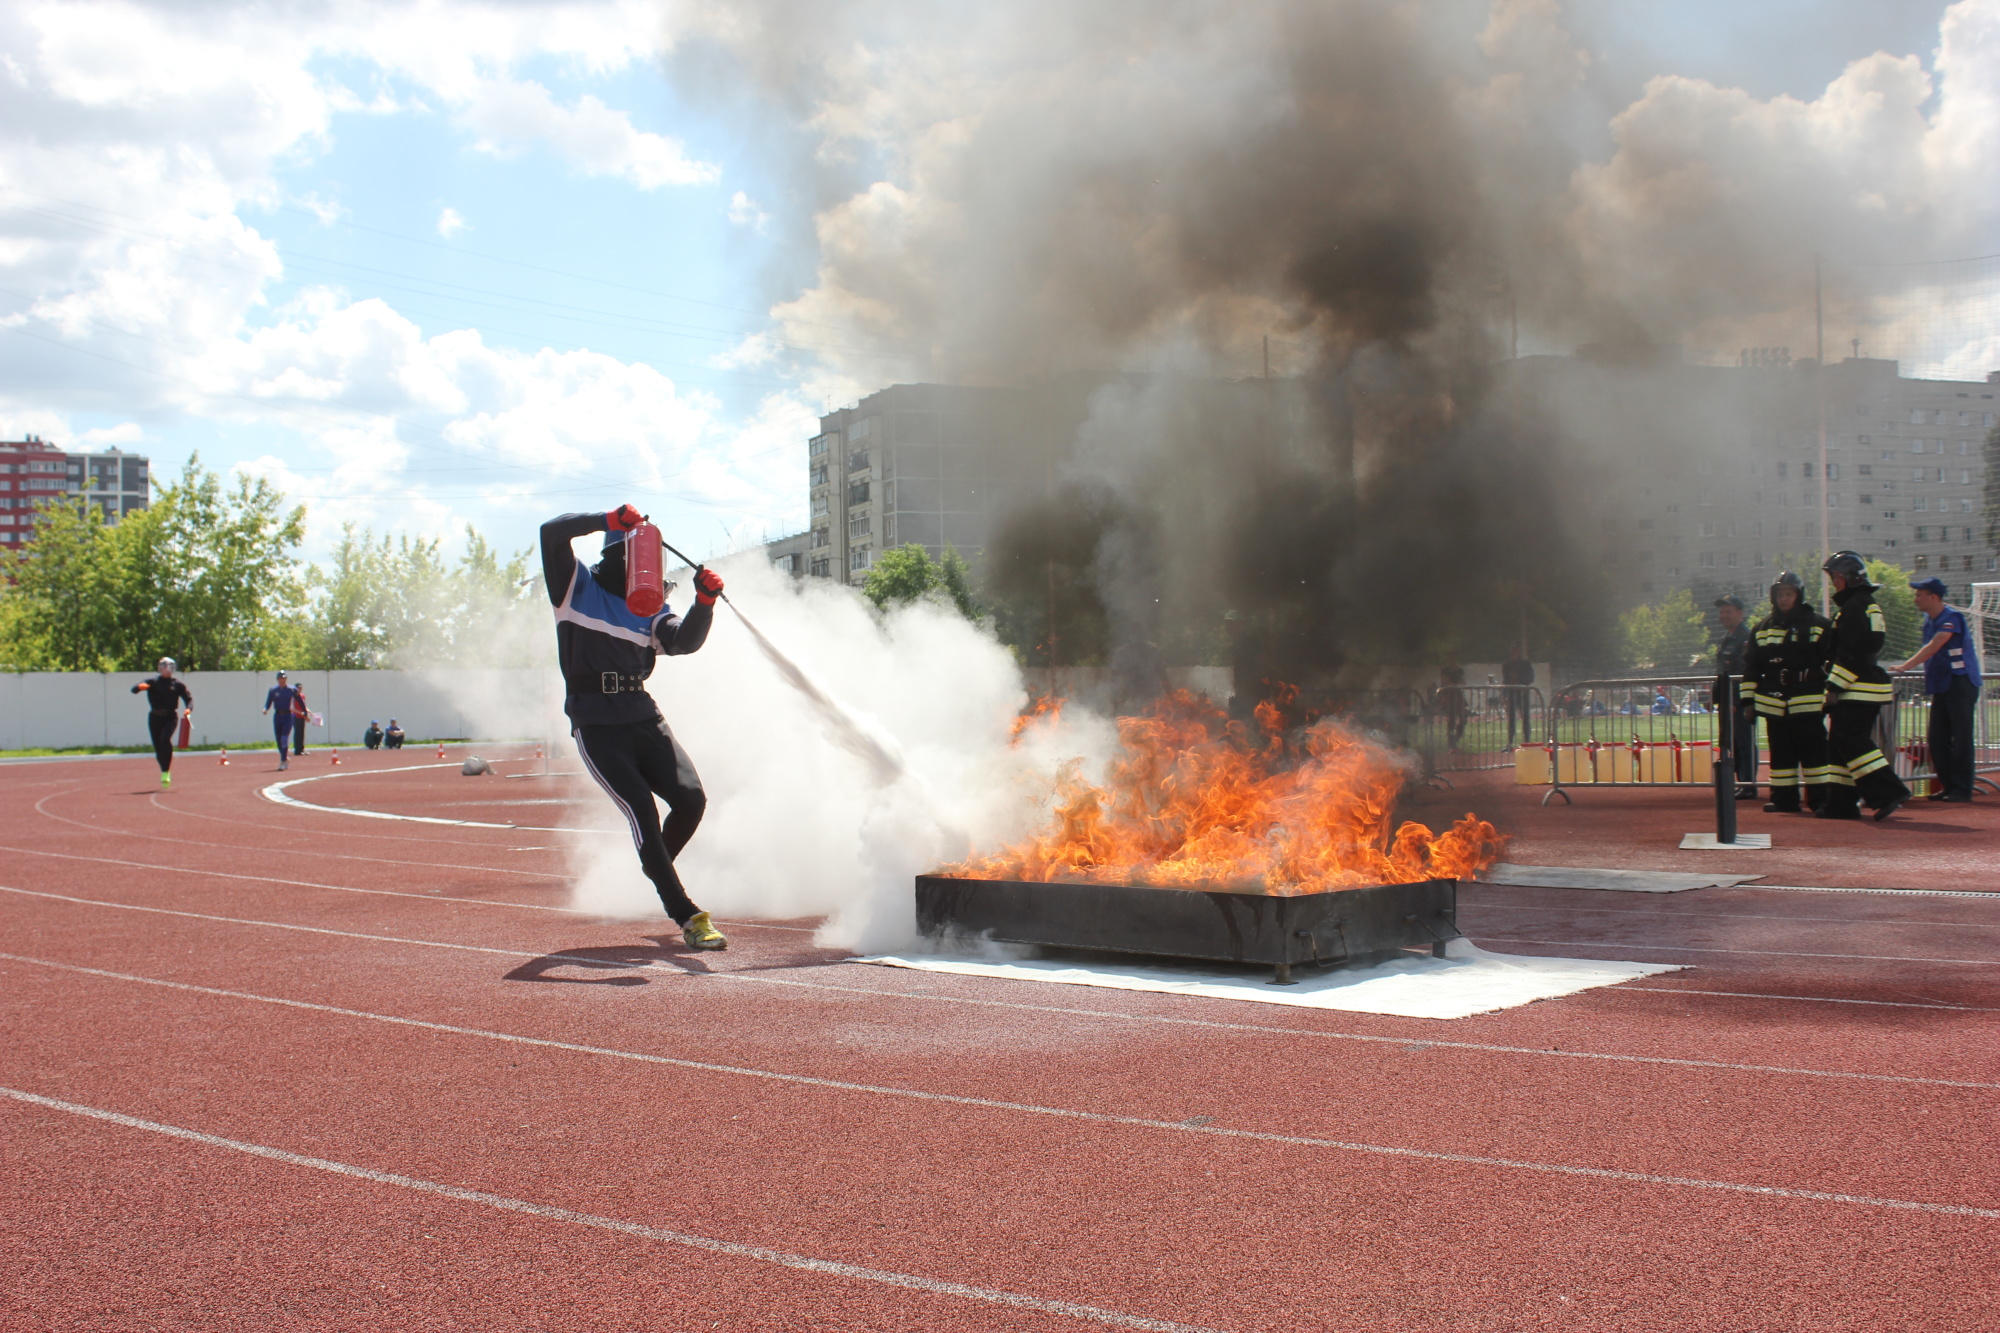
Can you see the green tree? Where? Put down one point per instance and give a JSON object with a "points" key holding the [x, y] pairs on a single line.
{"points": [[64, 595], [1669, 635], [208, 575], [908, 574], [397, 602]]}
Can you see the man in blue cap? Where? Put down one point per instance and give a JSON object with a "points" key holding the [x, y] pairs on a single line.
{"points": [[1950, 661]]}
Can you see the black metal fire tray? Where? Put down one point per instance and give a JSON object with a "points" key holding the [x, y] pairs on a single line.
{"points": [[1243, 926]]}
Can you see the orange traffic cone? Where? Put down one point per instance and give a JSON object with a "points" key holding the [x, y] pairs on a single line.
{"points": [[440, 749], [538, 749], [224, 759], [336, 758]]}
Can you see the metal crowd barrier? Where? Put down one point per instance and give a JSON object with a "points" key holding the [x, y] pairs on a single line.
{"points": [[1661, 732], [1904, 733], [1647, 731], [1467, 728]]}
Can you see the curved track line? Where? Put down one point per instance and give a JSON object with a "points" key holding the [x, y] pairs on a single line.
{"points": [[278, 793], [1490, 1048], [429, 840], [734, 1249], [238, 847], [1167, 1126]]}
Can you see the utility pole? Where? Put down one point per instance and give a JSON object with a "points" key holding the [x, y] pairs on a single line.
{"points": [[1819, 394]]}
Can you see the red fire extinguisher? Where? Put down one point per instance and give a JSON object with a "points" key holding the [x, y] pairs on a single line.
{"points": [[645, 590], [187, 729]]}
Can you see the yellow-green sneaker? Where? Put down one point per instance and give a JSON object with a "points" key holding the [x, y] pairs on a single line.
{"points": [[166, 781], [700, 933]]}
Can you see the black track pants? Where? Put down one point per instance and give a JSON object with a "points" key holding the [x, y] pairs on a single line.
{"points": [[162, 723], [635, 761], [1798, 759], [1859, 771], [1950, 735]]}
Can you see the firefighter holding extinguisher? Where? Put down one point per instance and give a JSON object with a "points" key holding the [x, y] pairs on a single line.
{"points": [[612, 623], [165, 693]]}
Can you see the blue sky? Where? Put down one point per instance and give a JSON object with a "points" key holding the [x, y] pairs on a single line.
{"points": [[441, 263]]}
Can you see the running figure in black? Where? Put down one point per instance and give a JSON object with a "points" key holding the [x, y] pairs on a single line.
{"points": [[606, 653], [164, 696]]}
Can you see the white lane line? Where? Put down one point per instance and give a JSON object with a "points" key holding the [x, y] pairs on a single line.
{"points": [[1760, 953], [733, 1249], [1169, 1126], [1789, 888], [1664, 1060], [344, 888], [277, 793], [1491, 1048], [298, 883], [1898, 893], [1804, 999], [1672, 915]]}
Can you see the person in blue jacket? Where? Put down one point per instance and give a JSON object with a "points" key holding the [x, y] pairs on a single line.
{"points": [[282, 697], [606, 652], [1950, 659]]}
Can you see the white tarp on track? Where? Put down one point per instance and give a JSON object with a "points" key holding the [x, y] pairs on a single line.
{"points": [[1471, 981]]}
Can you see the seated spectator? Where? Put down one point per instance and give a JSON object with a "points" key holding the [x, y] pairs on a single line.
{"points": [[394, 736], [372, 738], [1662, 705]]}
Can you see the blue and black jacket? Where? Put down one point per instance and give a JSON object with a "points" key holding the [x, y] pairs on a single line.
{"points": [[607, 652]]}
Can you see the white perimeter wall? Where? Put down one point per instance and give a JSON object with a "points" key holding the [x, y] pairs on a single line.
{"points": [[60, 709]]}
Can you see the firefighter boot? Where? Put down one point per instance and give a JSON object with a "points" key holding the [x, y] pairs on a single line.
{"points": [[1842, 802], [1784, 801], [700, 933]]}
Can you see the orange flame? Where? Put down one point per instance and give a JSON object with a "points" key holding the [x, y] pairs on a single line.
{"points": [[1196, 800], [1045, 709]]}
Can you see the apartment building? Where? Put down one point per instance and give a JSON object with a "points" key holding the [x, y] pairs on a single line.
{"points": [[930, 464], [1710, 477], [33, 472]]}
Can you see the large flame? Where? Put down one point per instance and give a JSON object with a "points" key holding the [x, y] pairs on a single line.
{"points": [[1196, 799]]}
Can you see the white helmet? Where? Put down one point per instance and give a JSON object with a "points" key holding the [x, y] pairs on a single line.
{"points": [[164, 664]]}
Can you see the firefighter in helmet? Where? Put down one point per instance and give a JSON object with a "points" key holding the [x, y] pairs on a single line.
{"points": [[1858, 689], [1787, 674]]}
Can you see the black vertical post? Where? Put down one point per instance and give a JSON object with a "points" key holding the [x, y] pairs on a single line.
{"points": [[1724, 765]]}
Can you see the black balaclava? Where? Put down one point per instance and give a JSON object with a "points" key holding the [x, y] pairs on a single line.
{"points": [[609, 571]]}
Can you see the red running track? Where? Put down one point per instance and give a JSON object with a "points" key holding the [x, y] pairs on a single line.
{"points": [[276, 1067]]}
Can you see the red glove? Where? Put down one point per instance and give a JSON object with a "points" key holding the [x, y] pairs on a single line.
{"points": [[623, 519], [707, 586]]}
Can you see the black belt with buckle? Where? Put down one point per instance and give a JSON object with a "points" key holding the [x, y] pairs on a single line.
{"points": [[610, 682]]}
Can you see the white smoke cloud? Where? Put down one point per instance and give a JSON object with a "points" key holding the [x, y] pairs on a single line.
{"points": [[796, 825]]}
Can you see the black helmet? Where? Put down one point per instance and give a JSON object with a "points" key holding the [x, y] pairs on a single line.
{"points": [[1788, 580], [1848, 565]]}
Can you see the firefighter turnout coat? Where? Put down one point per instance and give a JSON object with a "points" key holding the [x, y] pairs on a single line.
{"points": [[1786, 670], [1852, 646]]}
